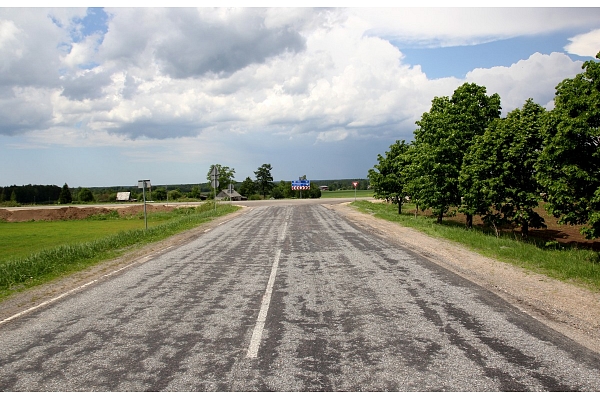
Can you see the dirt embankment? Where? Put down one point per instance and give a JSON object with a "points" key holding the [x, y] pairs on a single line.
{"points": [[69, 213]]}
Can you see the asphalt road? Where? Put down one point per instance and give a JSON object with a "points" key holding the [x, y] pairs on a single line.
{"points": [[288, 298]]}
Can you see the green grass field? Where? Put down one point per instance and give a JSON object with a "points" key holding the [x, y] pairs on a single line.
{"points": [[346, 194], [32, 253], [579, 266]]}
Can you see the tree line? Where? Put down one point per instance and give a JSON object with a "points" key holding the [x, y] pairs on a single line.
{"points": [[263, 186], [465, 158]]}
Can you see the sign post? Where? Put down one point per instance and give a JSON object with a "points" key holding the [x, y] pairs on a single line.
{"points": [[214, 177], [355, 184], [230, 192], [144, 183]]}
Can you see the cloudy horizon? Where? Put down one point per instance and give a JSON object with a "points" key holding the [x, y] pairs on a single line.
{"points": [[106, 96]]}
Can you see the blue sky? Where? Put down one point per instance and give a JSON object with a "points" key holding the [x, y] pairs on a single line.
{"points": [[104, 97]]}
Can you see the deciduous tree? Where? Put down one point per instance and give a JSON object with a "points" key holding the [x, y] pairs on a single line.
{"points": [[569, 165], [444, 135], [388, 176], [226, 176], [497, 179]]}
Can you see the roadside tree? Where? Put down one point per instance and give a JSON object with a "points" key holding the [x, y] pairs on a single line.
{"points": [[569, 166], [444, 135], [85, 195], [388, 177], [65, 196], [248, 188], [497, 178], [226, 176], [264, 179]]}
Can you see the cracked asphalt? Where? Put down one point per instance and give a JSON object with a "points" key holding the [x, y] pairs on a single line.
{"points": [[348, 311]]}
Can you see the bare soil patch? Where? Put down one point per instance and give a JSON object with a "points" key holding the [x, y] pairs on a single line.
{"points": [[568, 309], [69, 213]]}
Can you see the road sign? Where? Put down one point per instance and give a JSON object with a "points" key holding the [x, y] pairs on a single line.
{"points": [[355, 184], [214, 177], [301, 185]]}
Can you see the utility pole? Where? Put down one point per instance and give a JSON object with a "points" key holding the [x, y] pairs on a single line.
{"points": [[145, 183]]}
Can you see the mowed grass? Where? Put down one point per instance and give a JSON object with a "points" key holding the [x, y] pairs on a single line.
{"points": [[335, 194], [19, 239], [32, 253], [579, 266]]}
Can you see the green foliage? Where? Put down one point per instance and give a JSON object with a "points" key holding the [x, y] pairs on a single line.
{"points": [[85, 195], [264, 179], [443, 136], [226, 176], [65, 196], [314, 192], [569, 164], [195, 193], [158, 193], [175, 194], [277, 193], [248, 188], [497, 177], [388, 178]]}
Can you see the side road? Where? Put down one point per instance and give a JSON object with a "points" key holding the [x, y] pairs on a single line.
{"points": [[568, 309]]}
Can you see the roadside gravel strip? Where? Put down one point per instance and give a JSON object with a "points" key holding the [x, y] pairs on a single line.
{"points": [[573, 311]]}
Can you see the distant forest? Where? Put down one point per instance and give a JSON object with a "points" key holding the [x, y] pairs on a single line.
{"points": [[49, 194]]}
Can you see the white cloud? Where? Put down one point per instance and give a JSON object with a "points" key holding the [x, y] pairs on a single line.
{"points": [[587, 44], [467, 26], [534, 78]]}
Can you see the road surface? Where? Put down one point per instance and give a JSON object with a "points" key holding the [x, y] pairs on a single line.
{"points": [[288, 298]]}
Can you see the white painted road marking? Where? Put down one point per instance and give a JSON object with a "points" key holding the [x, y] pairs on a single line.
{"points": [[140, 260], [264, 308]]}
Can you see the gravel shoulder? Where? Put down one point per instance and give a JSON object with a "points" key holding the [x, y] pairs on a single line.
{"points": [[568, 309]]}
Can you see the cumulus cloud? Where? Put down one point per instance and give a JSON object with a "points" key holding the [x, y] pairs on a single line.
{"points": [[586, 45], [535, 78], [433, 27], [329, 75]]}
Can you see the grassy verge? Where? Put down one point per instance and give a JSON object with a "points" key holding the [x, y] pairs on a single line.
{"points": [[567, 264], [346, 194], [75, 254]]}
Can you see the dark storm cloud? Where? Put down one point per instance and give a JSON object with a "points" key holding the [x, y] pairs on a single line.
{"points": [[195, 46], [153, 129]]}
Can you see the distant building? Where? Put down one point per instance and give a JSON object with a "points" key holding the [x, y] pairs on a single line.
{"points": [[123, 196], [233, 195], [324, 187]]}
